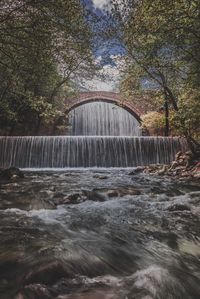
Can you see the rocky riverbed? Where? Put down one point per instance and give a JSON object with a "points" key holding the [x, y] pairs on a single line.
{"points": [[99, 234], [184, 167]]}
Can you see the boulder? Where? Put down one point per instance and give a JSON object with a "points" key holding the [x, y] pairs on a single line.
{"points": [[178, 207], [162, 170], [120, 192], [48, 273], [35, 291], [177, 156], [137, 170], [112, 193], [100, 177], [11, 173], [77, 197], [130, 191]]}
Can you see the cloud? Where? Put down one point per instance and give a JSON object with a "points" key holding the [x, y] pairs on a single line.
{"points": [[106, 4], [110, 73], [100, 4]]}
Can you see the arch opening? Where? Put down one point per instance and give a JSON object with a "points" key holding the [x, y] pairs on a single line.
{"points": [[113, 100], [102, 117]]}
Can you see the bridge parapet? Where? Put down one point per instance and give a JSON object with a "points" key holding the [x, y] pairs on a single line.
{"points": [[111, 97]]}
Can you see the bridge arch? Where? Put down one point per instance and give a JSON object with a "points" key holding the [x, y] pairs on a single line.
{"points": [[109, 97]]}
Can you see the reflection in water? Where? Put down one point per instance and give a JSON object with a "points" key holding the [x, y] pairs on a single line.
{"points": [[99, 234]]}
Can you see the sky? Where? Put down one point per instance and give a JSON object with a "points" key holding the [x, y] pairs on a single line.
{"points": [[97, 4], [100, 4], [112, 74], [113, 62]]}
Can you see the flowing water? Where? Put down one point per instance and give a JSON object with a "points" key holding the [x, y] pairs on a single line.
{"points": [[102, 119], [95, 233], [87, 151], [101, 135], [99, 234]]}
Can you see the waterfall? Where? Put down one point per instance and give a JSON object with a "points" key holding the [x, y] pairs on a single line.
{"points": [[87, 151], [102, 119], [100, 135]]}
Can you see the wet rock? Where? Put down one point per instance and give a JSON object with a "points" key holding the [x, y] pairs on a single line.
{"points": [[78, 197], [196, 174], [177, 156], [35, 291], [75, 198], [101, 177], [189, 154], [196, 196], [56, 194], [120, 192], [164, 223], [130, 191], [137, 170], [154, 168], [93, 294], [46, 274], [174, 192], [178, 207], [162, 170], [185, 166], [112, 193], [19, 296], [3, 283], [174, 164], [157, 190], [93, 195], [11, 173]]}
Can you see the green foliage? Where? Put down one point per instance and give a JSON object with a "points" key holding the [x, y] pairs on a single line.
{"points": [[44, 45], [162, 41], [153, 120], [187, 119], [184, 122]]}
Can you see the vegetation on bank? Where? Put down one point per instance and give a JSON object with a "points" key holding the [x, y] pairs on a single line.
{"points": [[185, 121], [161, 41], [45, 47]]}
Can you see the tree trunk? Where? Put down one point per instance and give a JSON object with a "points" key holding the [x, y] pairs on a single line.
{"points": [[194, 146], [166, 105]]}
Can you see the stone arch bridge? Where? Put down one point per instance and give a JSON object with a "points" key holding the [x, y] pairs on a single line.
{"points": [[105, 96]]}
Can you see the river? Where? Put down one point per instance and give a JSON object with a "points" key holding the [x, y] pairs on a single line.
{"points": [[99, 234]]}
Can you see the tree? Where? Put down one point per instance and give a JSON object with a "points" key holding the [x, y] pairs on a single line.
{"points": [[153, 121], [186, 121], [44, 46], [161, 41]]}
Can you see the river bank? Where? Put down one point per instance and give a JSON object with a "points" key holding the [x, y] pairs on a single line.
{"points": [[184, 167]]}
